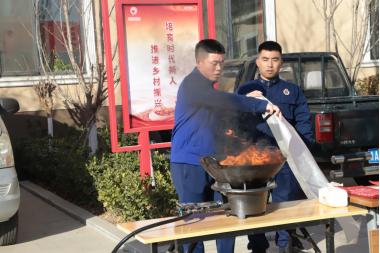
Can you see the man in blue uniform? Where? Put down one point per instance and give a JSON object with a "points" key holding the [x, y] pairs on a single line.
{"points": [[196, 121], [293, 106]]}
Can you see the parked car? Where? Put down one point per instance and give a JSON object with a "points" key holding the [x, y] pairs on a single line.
{"points": [[346, 126], [9, 185]]}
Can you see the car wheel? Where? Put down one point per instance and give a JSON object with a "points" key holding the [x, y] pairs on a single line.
{"points": [[8, 231]]}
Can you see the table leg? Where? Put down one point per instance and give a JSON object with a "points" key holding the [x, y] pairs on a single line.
{"points": [[290, 240], [308, 238], [330, 230], [373, 223], [175, 247], [154, 248]]}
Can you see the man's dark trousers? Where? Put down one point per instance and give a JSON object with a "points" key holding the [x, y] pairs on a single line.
{"points": [[287, 189], [193, 184]]}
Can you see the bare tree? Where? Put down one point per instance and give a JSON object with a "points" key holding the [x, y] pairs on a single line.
{"points": [[327, 9], [84, 100], [44, 91], [362, 30]]}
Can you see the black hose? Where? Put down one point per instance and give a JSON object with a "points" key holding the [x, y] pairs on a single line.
{"points": [[133, 233]]}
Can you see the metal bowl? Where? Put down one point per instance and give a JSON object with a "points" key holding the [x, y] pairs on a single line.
{"points": [[249, 176]]}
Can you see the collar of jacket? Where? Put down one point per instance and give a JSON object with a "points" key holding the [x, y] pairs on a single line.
{"points": [[272, 81]]}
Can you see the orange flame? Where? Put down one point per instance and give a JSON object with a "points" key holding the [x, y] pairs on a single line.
{"points": [[229, 132], [254, 155]]}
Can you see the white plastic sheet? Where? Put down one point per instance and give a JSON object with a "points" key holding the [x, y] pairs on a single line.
{"points": [[299, 158], [304, 167]]}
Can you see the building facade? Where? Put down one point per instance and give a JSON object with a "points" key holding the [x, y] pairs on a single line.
{"points": [[241, 25]]}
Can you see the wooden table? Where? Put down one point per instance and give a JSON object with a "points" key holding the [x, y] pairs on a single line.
{"points": [[373, 209], [367, 202], [215, 225], [373, 219]]}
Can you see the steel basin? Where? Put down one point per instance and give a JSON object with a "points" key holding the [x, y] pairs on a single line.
{"points": [[249, 176]]}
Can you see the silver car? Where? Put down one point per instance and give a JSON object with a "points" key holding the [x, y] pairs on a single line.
{"points": [[9, 186]]}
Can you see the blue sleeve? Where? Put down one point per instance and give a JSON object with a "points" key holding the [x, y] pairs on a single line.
{"points": [[249, 87], [199, 94]]}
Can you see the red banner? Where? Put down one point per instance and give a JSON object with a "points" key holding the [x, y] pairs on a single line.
{"points": [[156, 40], [159, 42]]}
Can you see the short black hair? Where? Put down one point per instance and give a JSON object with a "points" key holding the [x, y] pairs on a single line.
{"points": [[270, 46], [210, 46]]}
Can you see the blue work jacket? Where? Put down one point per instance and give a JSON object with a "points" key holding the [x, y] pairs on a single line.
{"points": [[291, 101], [197, 117]]}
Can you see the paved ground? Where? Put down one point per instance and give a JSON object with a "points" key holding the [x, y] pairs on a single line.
{"points": [[45, 229], [49, 224]]}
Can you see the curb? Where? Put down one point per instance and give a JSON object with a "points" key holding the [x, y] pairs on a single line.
{"points": [[83, 216]]}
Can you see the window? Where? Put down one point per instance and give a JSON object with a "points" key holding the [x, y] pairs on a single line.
{"points": [[288, 71], [374, 27], [240, 27], [247, 19], [311, 74], [227, 81], [372, 55], [18, 41], [18, 54], [334, 80], [251, 45], [55, 35]]}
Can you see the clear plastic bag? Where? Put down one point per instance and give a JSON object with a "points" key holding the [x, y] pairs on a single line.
{"points": [[304, 167], [299, 158]]}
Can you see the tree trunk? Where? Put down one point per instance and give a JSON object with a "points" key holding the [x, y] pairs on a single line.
{"points": [[93, 138], [50, 125]]}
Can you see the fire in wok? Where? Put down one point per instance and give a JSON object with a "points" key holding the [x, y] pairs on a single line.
{"points": [[253, 167]]}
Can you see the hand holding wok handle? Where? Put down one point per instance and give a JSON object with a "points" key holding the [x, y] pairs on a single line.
{"points": [[270, 109]]}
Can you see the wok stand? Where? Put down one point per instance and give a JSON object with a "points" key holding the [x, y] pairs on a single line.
{"points": [[246, 187]]}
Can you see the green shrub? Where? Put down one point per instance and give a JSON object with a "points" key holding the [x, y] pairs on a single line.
{"points": [[368, 85], [120, 188], [108, 180], [58, 164]]}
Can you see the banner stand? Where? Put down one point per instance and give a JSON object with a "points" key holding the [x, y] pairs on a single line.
{"points": [[153, 51]]}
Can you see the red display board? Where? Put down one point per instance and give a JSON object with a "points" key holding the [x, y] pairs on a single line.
{"points": [[156, 42]]}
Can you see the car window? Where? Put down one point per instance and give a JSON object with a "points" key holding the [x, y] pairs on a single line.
{"points": [[306, 73], [227, 81], [311, 75], [288, 71], [334, 80]]}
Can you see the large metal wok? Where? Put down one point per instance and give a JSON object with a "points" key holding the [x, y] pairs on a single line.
{"points": [[247, 176]]}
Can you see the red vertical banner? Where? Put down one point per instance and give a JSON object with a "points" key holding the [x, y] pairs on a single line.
{"points": [[211, 19], [159, 42], [156, 41]]}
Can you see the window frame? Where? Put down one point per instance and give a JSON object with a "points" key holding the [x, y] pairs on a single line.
{"points": [[269, 11], [90, 57], [367, 61]]}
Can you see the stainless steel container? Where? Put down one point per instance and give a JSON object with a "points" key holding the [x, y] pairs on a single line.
{"points": [[245, 202]]}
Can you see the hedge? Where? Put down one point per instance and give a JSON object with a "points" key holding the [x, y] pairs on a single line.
{"points": [[107, 181]]}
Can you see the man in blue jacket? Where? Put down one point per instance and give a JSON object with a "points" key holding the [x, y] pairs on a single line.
{"points": [[293, 106], [195, 125]]}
